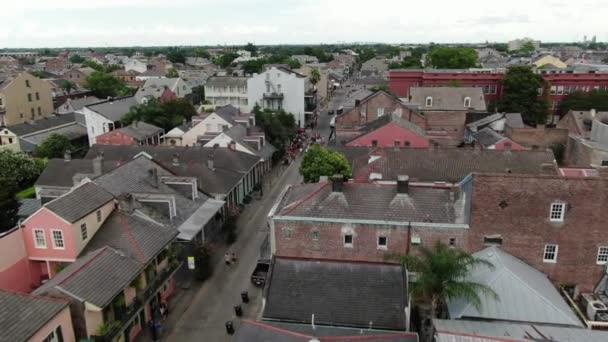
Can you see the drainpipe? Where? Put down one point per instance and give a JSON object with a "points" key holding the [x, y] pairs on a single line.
{"points": [[409, 238]]}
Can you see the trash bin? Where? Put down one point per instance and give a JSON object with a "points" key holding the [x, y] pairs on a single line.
{"points": [[238, 310], [229, 328], [245, 297]]}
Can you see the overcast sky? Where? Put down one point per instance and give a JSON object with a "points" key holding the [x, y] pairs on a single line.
{"points": [[71, 23]]}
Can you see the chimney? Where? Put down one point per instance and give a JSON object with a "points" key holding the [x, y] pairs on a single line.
{"points": [[176, 159], [153, 175], [232, 145], [592, 112], [210, 159], [67, 155], [337, 183], [403, 184], [357, 103], [125, 203]]}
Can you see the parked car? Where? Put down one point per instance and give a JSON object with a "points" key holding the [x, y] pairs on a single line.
{"points": [[330, 112], [260, 273]]}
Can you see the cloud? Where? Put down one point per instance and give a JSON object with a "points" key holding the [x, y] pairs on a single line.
{"points": [[493, 20]]}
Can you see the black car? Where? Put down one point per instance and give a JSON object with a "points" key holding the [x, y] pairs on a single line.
{"points": [[330, 112]]}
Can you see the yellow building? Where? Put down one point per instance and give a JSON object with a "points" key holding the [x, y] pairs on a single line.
{"points": [[548, 60], [24, 98]]}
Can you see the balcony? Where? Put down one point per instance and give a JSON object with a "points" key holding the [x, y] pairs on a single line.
{"points": [[273, 95], [124, 314]]}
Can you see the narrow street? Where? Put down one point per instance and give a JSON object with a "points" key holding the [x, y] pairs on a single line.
{"points": [[213, 304]]}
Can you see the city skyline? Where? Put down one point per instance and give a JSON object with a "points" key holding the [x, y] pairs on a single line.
{"points": [[71, 23]]}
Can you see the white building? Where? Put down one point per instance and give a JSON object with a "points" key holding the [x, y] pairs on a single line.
{"points": [[135, 65], [105, 116], [227, 90], [281, 88]]}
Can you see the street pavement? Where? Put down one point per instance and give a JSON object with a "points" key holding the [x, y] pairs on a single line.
{"points": [[206, 311]]}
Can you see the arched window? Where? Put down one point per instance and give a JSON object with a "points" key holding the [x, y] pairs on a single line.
{"points": [[467, 102], [429, 101]]}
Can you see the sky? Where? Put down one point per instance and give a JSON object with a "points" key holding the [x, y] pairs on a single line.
{"points": [[98, 23]]}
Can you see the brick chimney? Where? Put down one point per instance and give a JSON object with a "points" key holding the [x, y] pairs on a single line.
{"points": [[403, 184], [337, 183]]}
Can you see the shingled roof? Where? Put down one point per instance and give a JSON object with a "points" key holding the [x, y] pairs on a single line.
{"points": [[448, 98], [444, 164], [337, 293], [22, 315], [79, 202]]}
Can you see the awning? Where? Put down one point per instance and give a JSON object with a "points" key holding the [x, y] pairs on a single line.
{"points": [[195, 223]]}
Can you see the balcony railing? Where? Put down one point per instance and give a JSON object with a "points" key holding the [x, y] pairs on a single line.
{"points": [[273, 95], [123, 315]]}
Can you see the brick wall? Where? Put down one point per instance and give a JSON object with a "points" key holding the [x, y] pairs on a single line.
{"points": [[330, 244], [523, 222], [537, 137], [115, 138], [353, 119], [445, 128]]}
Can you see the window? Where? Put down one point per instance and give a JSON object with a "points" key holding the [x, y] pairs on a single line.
{"points": [[315, 235], [495, 240], [493, 89], [550, 254], [58, 239], [540, 91], [429, 101], [10, 140], [98, 213], [382, 242], [39, 238], [602, 255], [486, 89], [467, 102], [407, 143], [560, 90], [37, 96], [83, 231], [29, 97], [0, 101], [397, 143], [557, 212], [374, 143], [209, 127], [279, 88], [33, 112], [39, 111], [50, 337], [287, 233], [268, 87], [27, 83], [452, 242], [380, 112], [348, 240], [553, 90]]}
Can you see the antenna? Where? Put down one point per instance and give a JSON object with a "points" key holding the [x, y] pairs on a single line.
{"points": [[312, 321]]}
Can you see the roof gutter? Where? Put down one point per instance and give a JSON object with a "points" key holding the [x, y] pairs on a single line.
{"points": [[374, 222]]}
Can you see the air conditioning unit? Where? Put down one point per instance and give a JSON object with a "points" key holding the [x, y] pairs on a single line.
{"points": [[594, 307]]}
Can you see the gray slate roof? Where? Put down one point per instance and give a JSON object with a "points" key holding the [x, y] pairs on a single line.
{"points": [[475, 331], [72, 132], [42, 124], [448, 98], [250, 331], [79, 202], [79, 103], [514, 120], [225, 81], [22, 315], [444, 164], [372, 201], [487, 137], [141, 238], [97, 277], [114, 109], [230, 166], [60, 173], [238, 133], [141, 130], [524, 293], [28, 206], [337, 293]]}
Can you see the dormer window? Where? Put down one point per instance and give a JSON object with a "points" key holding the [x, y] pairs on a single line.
{"points": [[429, 101], [467, 102], [557, 212]]}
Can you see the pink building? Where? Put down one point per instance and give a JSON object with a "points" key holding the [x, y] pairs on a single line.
{"points": [[15, 273], [398, 133], [58, 232]]}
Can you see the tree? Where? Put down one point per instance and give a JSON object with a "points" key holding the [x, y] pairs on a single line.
{"points": [[176, 55], [9, 206], [452, 58], [315, 76], [382, 87], [527, 49], [68, 86], [279, 127], [251, 48], [93, 65], [105, 85], [520, 86], [320, 161], [54, 146], [200, 52], [226, 59], [293, 63], [253, 66], [165, 115], [409, 62], [22, 169], [172, 73], [597, 100], [77, 59], [441, 275]]}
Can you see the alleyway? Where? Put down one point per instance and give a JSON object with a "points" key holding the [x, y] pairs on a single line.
{"points": [[212, 305]]}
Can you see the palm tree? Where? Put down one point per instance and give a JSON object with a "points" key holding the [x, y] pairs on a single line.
{"points": [[315, 76], [441, 275]]}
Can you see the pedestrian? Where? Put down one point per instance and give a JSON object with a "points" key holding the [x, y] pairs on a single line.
{"points": [[227, 259], [233, 257], [164, 312]]}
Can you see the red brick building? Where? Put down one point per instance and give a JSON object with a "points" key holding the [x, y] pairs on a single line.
{"points": [[57, 65], [555, 224], [390, 131], [560, 84]]}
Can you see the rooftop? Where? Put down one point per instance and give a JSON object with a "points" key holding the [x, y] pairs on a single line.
{"points": [[448, 98], [140, 130], [225, 81], [42, 124], [114, 109], [79, 202], [339, 294]]}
